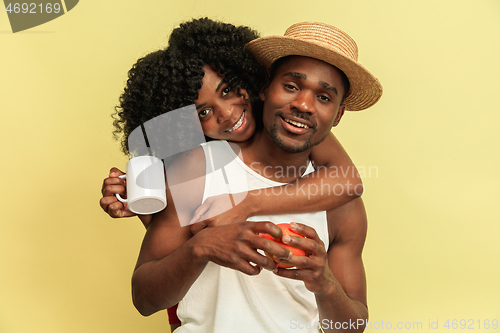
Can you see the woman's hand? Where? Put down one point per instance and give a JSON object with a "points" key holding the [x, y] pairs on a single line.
{"points": [[109, 202], [220, 210]]}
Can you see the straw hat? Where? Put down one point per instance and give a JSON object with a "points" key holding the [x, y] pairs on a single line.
{"points": [[329, 44]]}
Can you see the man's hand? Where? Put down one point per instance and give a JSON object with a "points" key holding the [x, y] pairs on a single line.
{"points": [[220, 210], [235, 246], [111, 186], [312, 269]]}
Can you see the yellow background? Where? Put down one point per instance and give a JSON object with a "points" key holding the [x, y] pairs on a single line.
{"points": [[431, 145]]}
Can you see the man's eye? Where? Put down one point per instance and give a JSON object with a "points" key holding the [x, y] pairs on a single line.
{"points": [[324, 98], [203, 113], [290, 86]]}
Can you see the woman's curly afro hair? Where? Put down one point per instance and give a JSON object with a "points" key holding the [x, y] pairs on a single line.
{"points": [[168, 79]]}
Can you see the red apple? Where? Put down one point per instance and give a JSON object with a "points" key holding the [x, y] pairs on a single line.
{"points": [[285, 227]]}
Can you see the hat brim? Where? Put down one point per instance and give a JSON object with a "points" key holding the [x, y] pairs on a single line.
{"points": [[365, 88]]}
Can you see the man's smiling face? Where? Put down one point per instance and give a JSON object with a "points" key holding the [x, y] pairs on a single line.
{"points": [[302, 103]]}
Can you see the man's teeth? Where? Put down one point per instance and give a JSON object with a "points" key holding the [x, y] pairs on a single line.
{"points": [[238, 123], [295, 123]]}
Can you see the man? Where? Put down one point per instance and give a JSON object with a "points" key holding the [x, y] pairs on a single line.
{"points": [[216, 273]]}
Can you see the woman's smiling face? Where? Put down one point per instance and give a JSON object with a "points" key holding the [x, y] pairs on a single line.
{"points": [[224, 113]]}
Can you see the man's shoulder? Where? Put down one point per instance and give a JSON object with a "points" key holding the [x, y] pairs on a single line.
{"points": [[347, 222], [186, 183], [187, 165]]}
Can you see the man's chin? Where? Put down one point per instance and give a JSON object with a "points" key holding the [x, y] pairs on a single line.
{"points": [[292, 148], [288, 144]]}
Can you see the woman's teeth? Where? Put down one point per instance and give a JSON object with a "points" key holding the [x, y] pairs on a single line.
{"points": [[297, 124], [238, 123]]}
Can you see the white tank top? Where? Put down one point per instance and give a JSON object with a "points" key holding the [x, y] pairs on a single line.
{"points": [[225, 300]]}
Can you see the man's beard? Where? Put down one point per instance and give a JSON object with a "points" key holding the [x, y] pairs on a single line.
{"points": [[293, 149]]}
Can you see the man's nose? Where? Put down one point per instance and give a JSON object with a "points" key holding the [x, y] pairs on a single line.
{"points": [[304, 102]]}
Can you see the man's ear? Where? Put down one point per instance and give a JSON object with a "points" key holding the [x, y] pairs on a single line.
{"points": [[263, 93], [339, 115]]}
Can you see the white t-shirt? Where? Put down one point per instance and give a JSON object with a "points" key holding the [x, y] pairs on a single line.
{"points": [[225, 300]]}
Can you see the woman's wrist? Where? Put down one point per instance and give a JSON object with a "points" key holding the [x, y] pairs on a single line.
{"points": [[251, 204]]}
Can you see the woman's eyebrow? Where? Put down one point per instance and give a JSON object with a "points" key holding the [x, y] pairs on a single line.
{"points": [[219, 85], [200, 106]]}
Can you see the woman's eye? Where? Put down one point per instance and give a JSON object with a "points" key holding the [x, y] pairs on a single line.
{"points": [[226, 91], [203, 113]]}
